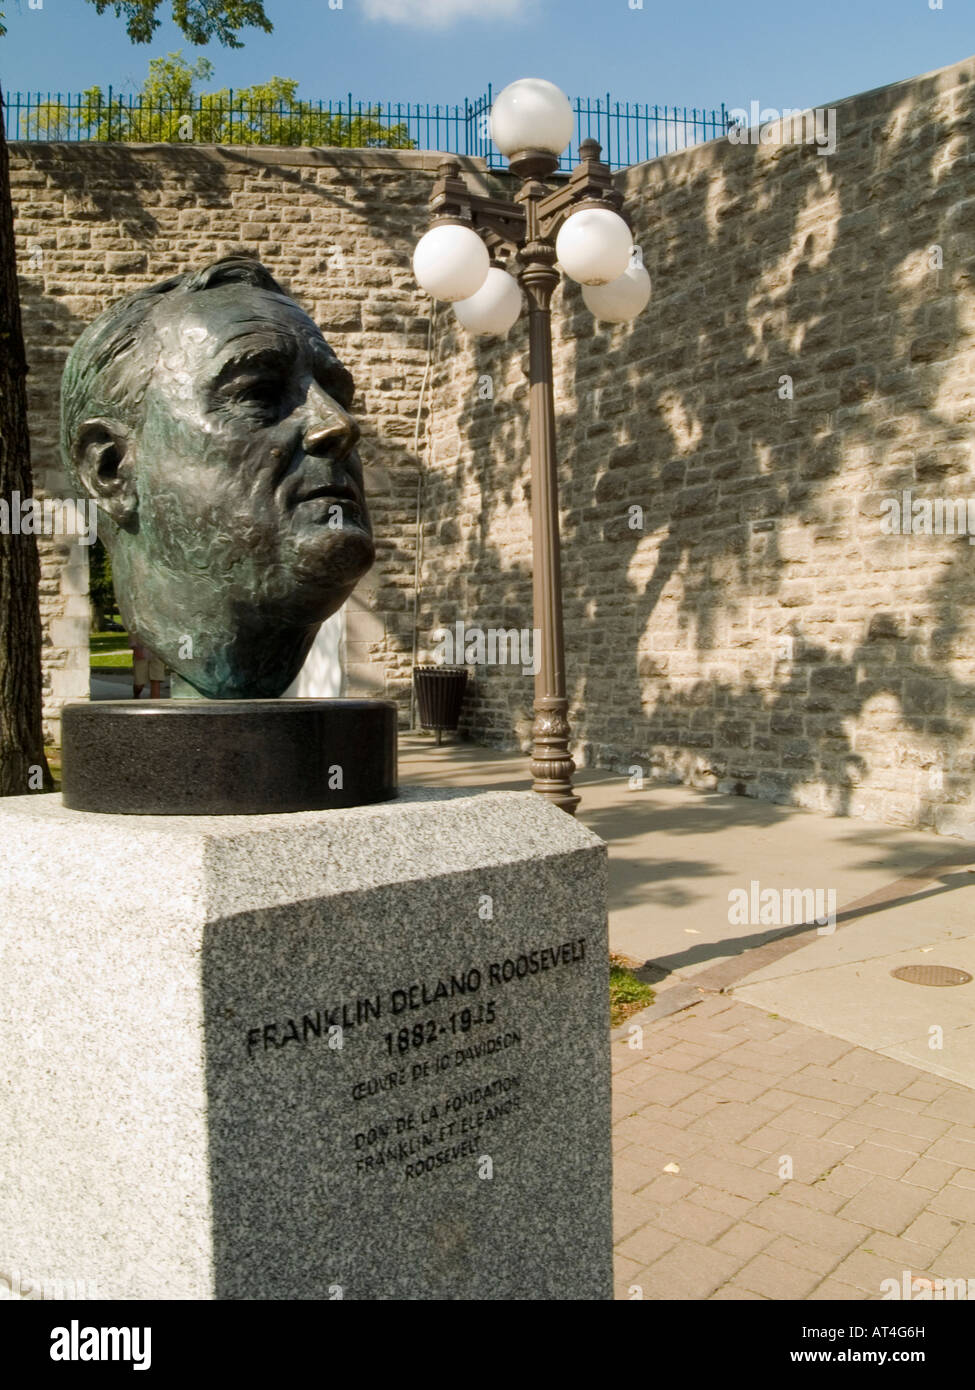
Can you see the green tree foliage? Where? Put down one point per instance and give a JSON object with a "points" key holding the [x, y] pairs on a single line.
{"points": [[170, 110], [199, 20], [101, 590]]}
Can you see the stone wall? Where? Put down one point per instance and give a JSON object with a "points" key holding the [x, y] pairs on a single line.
{"points": [[756, 630], [735, 614], [336, 227]]}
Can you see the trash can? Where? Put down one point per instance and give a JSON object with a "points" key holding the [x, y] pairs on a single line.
{"points": [[439, 696]]}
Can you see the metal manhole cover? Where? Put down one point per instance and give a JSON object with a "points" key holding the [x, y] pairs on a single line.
{"points": [[931, 975]]}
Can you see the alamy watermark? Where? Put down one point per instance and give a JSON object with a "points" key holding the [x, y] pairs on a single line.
{"points": [[28, 516], [756, 906], [493, 646], [17, 1286], [920, 1288], [908, 515], [766, 125], [77, 1343]]}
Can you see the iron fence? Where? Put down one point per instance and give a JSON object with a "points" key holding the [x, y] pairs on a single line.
{"points": [[629, 132]]}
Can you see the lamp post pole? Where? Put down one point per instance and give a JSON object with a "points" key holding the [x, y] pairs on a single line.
{"points": [[551, 765], [527, 226]]}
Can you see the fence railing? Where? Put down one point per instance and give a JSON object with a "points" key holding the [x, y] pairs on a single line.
{"points": [[629, 132]]}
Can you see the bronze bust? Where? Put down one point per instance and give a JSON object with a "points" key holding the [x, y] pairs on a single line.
{"points": [[210, 421]]}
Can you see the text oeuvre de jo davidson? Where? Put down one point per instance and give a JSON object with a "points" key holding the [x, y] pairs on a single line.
{"points": [[404, 999]]}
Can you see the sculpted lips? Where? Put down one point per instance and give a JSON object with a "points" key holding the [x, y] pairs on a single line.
{"points": [[335, 493]]}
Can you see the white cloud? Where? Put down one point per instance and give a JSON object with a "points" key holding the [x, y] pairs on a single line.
{"points": [[440, 13]]}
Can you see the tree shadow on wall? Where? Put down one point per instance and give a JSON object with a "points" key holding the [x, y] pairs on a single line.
{"points": [[115, 183], [725, 475]]}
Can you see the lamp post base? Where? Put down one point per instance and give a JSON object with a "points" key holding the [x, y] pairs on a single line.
{"points": [[552, 765], [555, 793]]}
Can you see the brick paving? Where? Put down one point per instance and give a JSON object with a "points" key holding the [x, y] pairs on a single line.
{"points": [[881, 1155]]}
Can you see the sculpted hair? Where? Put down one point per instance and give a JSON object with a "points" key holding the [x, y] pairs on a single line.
{"points": [[103, 376]]}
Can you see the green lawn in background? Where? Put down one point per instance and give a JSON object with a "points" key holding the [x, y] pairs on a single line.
{"points": [[110, 649]]}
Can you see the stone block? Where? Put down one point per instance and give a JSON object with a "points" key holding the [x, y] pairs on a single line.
{"points": [[358, 1054], [126, 262], [70, 684]]}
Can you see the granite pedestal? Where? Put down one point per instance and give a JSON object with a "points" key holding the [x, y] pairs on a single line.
{"points": [[227, 757], [357, 1054]]}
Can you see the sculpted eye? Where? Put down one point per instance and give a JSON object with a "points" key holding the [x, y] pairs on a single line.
{"points": [[265, 392], [334, 380]]}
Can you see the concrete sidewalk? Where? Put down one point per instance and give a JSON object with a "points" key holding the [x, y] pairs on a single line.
{"points": [[794, 1123], [678, 856]]}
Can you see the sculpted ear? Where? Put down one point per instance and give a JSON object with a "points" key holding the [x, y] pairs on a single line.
{"points": [[102, 455]]}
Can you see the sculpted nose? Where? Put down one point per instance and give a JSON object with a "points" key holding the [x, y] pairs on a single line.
{"points": [[329, 428]]}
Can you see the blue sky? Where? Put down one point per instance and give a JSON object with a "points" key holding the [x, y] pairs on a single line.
{"points": [[687, 52]]}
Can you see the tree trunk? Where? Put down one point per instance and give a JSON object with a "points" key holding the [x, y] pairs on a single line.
{"points": [[23, 766]]}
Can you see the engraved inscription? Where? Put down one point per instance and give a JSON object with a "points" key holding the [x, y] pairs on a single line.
{"points": [[411, 1118]]}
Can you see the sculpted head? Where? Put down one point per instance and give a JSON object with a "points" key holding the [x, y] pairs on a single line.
{"points": [[210, 421]]}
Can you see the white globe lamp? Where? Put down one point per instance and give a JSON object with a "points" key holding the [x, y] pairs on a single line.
{"points": [[593, 246], [495, 307], [531, 114], [621, 300], [451, 262]]}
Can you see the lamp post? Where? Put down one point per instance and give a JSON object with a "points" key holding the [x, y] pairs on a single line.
{"points": [[577, 225]]}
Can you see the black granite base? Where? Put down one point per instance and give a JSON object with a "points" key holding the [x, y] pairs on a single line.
{"points": [[227, 757]]}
